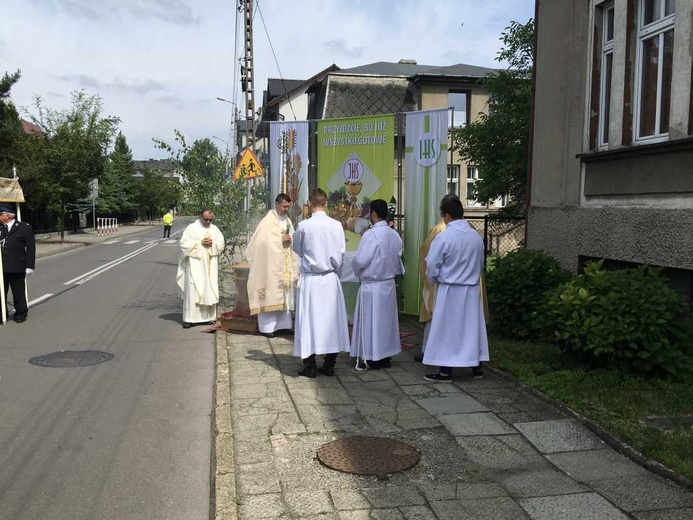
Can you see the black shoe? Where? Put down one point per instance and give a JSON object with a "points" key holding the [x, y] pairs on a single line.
{"points": [[267, 334], [386, 362], [437, 377], [374, 365], [477, 372], [284, 332], [309, 372], [419, 359], [20, 319], [186, 325], [326, 371]]}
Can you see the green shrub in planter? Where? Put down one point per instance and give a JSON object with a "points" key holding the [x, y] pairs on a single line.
{"points": [[517, 291], [627, 318]]}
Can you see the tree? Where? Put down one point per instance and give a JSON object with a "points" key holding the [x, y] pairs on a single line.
{"points": [[10, 124], [116, 186], [498, 142], [73, 147]]}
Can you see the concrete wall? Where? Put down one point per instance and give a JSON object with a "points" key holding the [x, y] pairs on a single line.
{"points": [[648, 236]]}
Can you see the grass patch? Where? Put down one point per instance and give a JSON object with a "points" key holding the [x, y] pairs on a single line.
{"points": [[616, 400]]}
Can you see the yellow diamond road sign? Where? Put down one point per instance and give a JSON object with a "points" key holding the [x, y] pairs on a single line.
{"points": [[248, 167]]}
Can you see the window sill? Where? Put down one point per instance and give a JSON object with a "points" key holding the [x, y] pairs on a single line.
{"points": [[636, 150]]}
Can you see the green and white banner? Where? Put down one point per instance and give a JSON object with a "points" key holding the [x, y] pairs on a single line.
{"points": [[426, 140]]}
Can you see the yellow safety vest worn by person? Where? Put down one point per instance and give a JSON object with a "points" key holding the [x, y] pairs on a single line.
{"points": [[168, 219]]}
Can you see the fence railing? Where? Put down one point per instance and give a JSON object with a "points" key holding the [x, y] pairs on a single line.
{"points": [[106, 226], [501, 235]]}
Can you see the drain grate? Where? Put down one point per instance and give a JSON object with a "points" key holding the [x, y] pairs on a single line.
{"points": [[72, 358], [368, 456]]}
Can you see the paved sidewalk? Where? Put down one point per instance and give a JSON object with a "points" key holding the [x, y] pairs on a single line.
{"points": [[488, 449], [49, 243]]}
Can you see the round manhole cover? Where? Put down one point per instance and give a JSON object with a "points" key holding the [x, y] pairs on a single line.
{"points": [[72, 358], [368, 455]]}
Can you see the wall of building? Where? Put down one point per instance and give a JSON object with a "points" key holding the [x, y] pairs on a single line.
{"points": [[299, 104]]}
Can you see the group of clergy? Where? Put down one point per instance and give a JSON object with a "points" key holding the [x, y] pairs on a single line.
{"points": [[307, 262]]}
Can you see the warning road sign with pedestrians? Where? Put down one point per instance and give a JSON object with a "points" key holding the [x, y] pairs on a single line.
{"points": [[248, 167]]}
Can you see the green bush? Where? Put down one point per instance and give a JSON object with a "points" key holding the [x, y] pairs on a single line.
{"points": [[517, 291], [625, 319]]}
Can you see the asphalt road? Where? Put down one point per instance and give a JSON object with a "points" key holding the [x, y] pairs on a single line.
{"points": [[125, 439]]}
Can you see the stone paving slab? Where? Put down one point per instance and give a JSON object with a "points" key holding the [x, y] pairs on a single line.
{"points": [[505, 452], [644, 493], [468, 424], [502, 508], [559, 436], [586, 466], [450, 405], [539, 483], [584, 506]]}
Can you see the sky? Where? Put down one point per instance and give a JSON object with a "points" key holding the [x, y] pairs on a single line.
{"points": [[159, 65]]}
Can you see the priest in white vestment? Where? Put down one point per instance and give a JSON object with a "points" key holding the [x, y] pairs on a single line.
{"points": [[458, 328], [273, 270], [378, 260], [321, 318], [198, 269]]}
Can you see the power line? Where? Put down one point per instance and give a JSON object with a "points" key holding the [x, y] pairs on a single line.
{"points": [[275, 59]]}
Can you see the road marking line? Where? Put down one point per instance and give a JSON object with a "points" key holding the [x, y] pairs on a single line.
{"points": [[112, 241], [39, 299], [131, 242], [124, 259], [170, 241], [134, 253]]}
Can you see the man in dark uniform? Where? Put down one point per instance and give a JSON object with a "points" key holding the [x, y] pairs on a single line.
{"points": [[18, 258]]}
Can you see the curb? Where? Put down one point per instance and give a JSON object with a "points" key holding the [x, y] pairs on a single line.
{"points": [[223, 489]]}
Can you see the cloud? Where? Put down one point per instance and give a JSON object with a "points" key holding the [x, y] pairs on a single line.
{"points": [[119, 84], [170, 11], [339, 48]]}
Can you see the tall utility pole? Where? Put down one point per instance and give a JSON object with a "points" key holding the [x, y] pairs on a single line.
{"points": [[248, 72]]}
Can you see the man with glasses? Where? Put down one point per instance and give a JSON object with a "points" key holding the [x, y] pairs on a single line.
{"points": [[458, 328], [273, 270], [18, 250], [198, 269]]}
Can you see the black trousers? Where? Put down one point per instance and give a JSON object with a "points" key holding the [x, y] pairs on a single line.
{"points": [[167, 231], [15, 281]]}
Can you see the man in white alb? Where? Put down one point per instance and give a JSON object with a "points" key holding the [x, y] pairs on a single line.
{"points": [[378, 260], [458, 329], [198, 269], [321, 319], [273, 270]]}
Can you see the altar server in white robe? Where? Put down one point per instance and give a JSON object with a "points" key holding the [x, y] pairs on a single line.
{"points": [[321, 320], [198, 269], [378, 260], [273, 270], [458, 328]]}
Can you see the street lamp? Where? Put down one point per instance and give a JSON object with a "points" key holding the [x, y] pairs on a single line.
{"points": [[226, 155], [233, 126]]}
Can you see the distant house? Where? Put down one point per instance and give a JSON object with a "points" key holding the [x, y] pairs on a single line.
{"points": [[31, 128], [611, 173], [163, 167]]}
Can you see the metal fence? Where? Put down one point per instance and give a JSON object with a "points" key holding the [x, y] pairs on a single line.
{"points": [[501, 234], [74, 221]]}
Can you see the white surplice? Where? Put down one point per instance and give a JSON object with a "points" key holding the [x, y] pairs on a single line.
{"points": [[377, 261], [198, 272], [321, 320], [458, 329]]}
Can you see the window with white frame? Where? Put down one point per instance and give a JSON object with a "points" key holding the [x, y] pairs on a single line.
{"points": [[472, 177], [654, 68], [607, 62], [501, 202], [454, 179], [457, 117]]}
